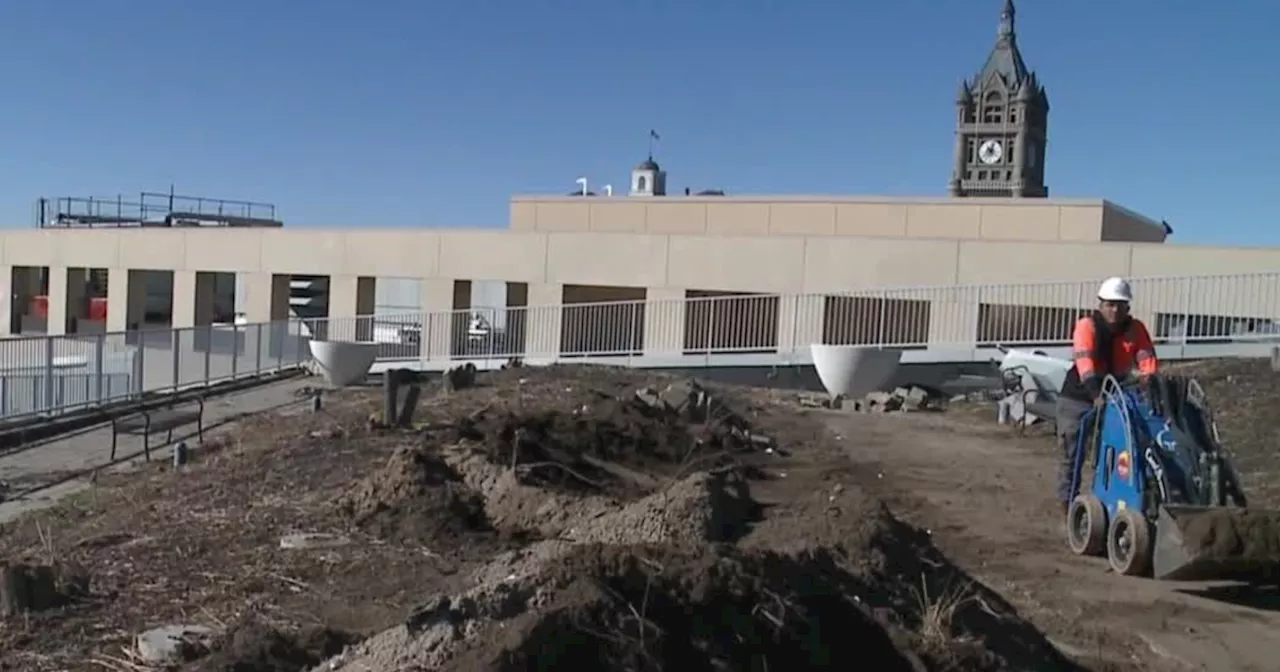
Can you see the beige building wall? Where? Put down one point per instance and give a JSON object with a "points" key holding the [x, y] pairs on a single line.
{"points": [[783, 264], [1073, 220]]}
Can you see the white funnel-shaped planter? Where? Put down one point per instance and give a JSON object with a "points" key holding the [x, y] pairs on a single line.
{"points": [[852, 370], [344, 362]]}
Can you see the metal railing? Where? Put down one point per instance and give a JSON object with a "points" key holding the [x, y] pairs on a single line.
{"points": [[151, 207], [1202, 309], [46, 375]]}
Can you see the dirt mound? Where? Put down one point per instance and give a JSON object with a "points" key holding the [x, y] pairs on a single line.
{"points": [[1231, 533], [612, 439], [627, 608], [696, 508], [256, 647], [415, 496], [837, 581], [1244, 394], [661, 607]]}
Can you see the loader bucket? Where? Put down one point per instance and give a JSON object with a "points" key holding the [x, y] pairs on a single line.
{"points": [[1202, 543]]}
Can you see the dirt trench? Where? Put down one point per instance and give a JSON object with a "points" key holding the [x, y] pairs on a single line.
{"points": [[650, 521], [648, 537]]}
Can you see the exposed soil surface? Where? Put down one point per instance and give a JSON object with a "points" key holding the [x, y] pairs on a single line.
{"points": [[545, 517], [987, 496], [612, 520], [258, 647], [1220, 534], [417, 497], [1245, 396], [642, 608]]}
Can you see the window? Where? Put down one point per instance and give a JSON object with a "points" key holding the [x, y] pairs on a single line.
{"points": [[973, 150], [1013, 116], [992, 108], [982, 174], [642, 183]]}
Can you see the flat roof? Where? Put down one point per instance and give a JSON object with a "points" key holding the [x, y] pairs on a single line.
{"points": [[816, 198]]}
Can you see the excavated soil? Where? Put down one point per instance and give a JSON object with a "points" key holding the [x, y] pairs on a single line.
{"points": [[253, 646], [416, 497], [1232, 533], [635, 530], [759, 562], [642, 608], [1245, 394], [601, 438]]}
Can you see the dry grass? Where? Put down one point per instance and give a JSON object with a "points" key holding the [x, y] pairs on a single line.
{"points": [[937, 612], [201, 544]]}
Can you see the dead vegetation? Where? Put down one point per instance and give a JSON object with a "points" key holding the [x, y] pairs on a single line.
{"points": [[527, 519]]}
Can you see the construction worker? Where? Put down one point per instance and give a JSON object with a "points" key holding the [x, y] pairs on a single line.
{"points": [[1107, 342]]}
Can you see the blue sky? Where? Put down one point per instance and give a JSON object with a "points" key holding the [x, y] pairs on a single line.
{"points": [[432, 113]]}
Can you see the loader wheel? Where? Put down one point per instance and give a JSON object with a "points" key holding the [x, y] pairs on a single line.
{"points": [[1087, 526], [1129, 543]]}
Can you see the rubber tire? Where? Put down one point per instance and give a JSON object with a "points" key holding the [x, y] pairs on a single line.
{"points": [[1137, 561], [1089, 511]]}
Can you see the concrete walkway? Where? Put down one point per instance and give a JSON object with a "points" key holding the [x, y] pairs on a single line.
{"points": [[37, 475]]}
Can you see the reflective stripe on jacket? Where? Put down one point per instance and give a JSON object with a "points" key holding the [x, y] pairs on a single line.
{"points": [[1098, 349]]}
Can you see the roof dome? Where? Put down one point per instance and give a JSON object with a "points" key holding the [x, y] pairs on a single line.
{"points": [[648, 164]]}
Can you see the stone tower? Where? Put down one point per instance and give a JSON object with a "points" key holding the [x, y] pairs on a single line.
{"points": [[1002, 118]]}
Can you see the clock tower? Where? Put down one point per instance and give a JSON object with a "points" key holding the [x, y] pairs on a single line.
{"points": [[1002, 118]]}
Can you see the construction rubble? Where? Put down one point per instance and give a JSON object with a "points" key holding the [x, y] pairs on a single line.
{"points": [[908, 399]]}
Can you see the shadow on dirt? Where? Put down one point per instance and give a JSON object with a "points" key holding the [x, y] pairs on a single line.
{"points": [[257, 647], [1264, 598]]}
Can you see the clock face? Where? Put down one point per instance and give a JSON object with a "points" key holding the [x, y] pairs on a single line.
{"points": [[990, 152]]}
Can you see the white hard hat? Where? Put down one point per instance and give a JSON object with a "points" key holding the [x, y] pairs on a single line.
{"points": [[1115, 289]]}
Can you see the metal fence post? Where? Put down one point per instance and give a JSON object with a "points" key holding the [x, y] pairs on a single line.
{"points": [[48, 373], [99, 351], [302, 341], [257, 350], [139, 367], [175, 340], [637, 313], [796, 302], [882, 336], [428, 330], [1186, 317], [208, 351]]}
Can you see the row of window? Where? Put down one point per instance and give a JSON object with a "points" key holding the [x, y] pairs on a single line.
{"points": [[989, 175], [992, 114]]}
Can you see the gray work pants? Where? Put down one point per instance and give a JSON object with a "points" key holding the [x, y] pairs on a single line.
{"points": [[1070, 413]]}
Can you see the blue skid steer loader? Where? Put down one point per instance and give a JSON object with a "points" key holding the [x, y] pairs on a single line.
{"points": [[1158, 496]]}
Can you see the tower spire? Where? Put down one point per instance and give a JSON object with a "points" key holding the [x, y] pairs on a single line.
{"points": [[1007, 17]]}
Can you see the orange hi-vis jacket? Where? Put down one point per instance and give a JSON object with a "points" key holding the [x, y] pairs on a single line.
{"points": [[1099, 349]]}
